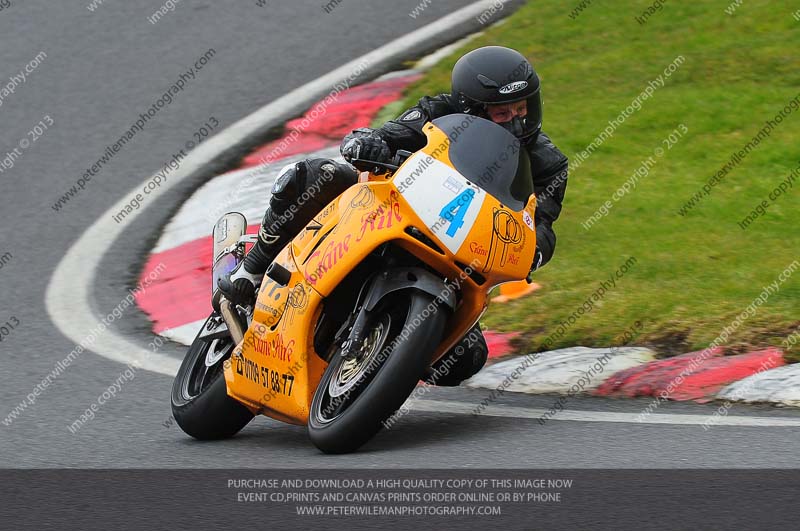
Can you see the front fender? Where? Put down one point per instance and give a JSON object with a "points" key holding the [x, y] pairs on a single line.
{"points": [[400, 278]]}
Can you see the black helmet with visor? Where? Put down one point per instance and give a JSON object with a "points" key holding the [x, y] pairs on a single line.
{"points": [[496, 75]]}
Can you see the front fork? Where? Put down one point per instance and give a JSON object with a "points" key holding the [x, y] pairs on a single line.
{"points": [[381, 285]]}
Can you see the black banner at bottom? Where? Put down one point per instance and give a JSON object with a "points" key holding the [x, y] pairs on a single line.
{"points": [[400, 499]]}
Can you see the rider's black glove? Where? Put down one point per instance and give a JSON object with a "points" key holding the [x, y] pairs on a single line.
{"points": [[365, 144], [538, 258]]}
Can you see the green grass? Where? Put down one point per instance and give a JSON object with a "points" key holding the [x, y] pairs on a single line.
{"points": [[694, 274]]}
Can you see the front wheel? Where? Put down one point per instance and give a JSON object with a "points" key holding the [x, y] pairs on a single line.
{"points": [[357, 394], [200, 402]]}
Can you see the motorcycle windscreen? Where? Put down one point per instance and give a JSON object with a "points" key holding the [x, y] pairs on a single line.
{"points": [[490, 157]]}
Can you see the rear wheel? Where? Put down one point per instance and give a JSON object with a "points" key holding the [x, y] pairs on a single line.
{"points": [[357, 394], [200, 402]]}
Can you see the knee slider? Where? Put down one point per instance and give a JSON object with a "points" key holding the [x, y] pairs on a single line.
{"points": [[327, 179], [290, 181]]}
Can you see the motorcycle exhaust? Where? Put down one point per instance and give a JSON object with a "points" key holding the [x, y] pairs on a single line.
{"points": [[229, 242], [231, 318], [228, 251]]}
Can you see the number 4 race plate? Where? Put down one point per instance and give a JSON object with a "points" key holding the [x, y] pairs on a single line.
{"points": [[441, 197]]}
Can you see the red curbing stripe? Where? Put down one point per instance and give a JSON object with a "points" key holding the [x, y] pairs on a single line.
{"points": [[182, 293], [326, 123], [689, 376], [499, 343]]}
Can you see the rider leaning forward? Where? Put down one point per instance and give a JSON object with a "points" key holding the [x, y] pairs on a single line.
{"points": [[492, 82]]}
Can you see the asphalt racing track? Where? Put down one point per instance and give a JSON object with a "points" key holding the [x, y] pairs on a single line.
{"points": [[101, 70]]}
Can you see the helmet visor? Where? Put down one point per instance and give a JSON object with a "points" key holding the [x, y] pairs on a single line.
{"points": [[522, 117]]}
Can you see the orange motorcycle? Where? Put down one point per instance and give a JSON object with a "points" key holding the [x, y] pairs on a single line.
{"points": [[369, 296]]}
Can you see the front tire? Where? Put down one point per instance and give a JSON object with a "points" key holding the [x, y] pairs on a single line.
{"points": [[200, 402], [355, 396]]}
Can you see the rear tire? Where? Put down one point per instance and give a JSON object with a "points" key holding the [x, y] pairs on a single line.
{"points": [[355, 397], [200, 402]]}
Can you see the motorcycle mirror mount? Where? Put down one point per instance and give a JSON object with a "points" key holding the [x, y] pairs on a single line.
{"points": [[375, 165]]}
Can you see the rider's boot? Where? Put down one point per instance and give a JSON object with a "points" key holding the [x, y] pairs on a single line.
{"points": [[242, 284], [462, 361]]}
